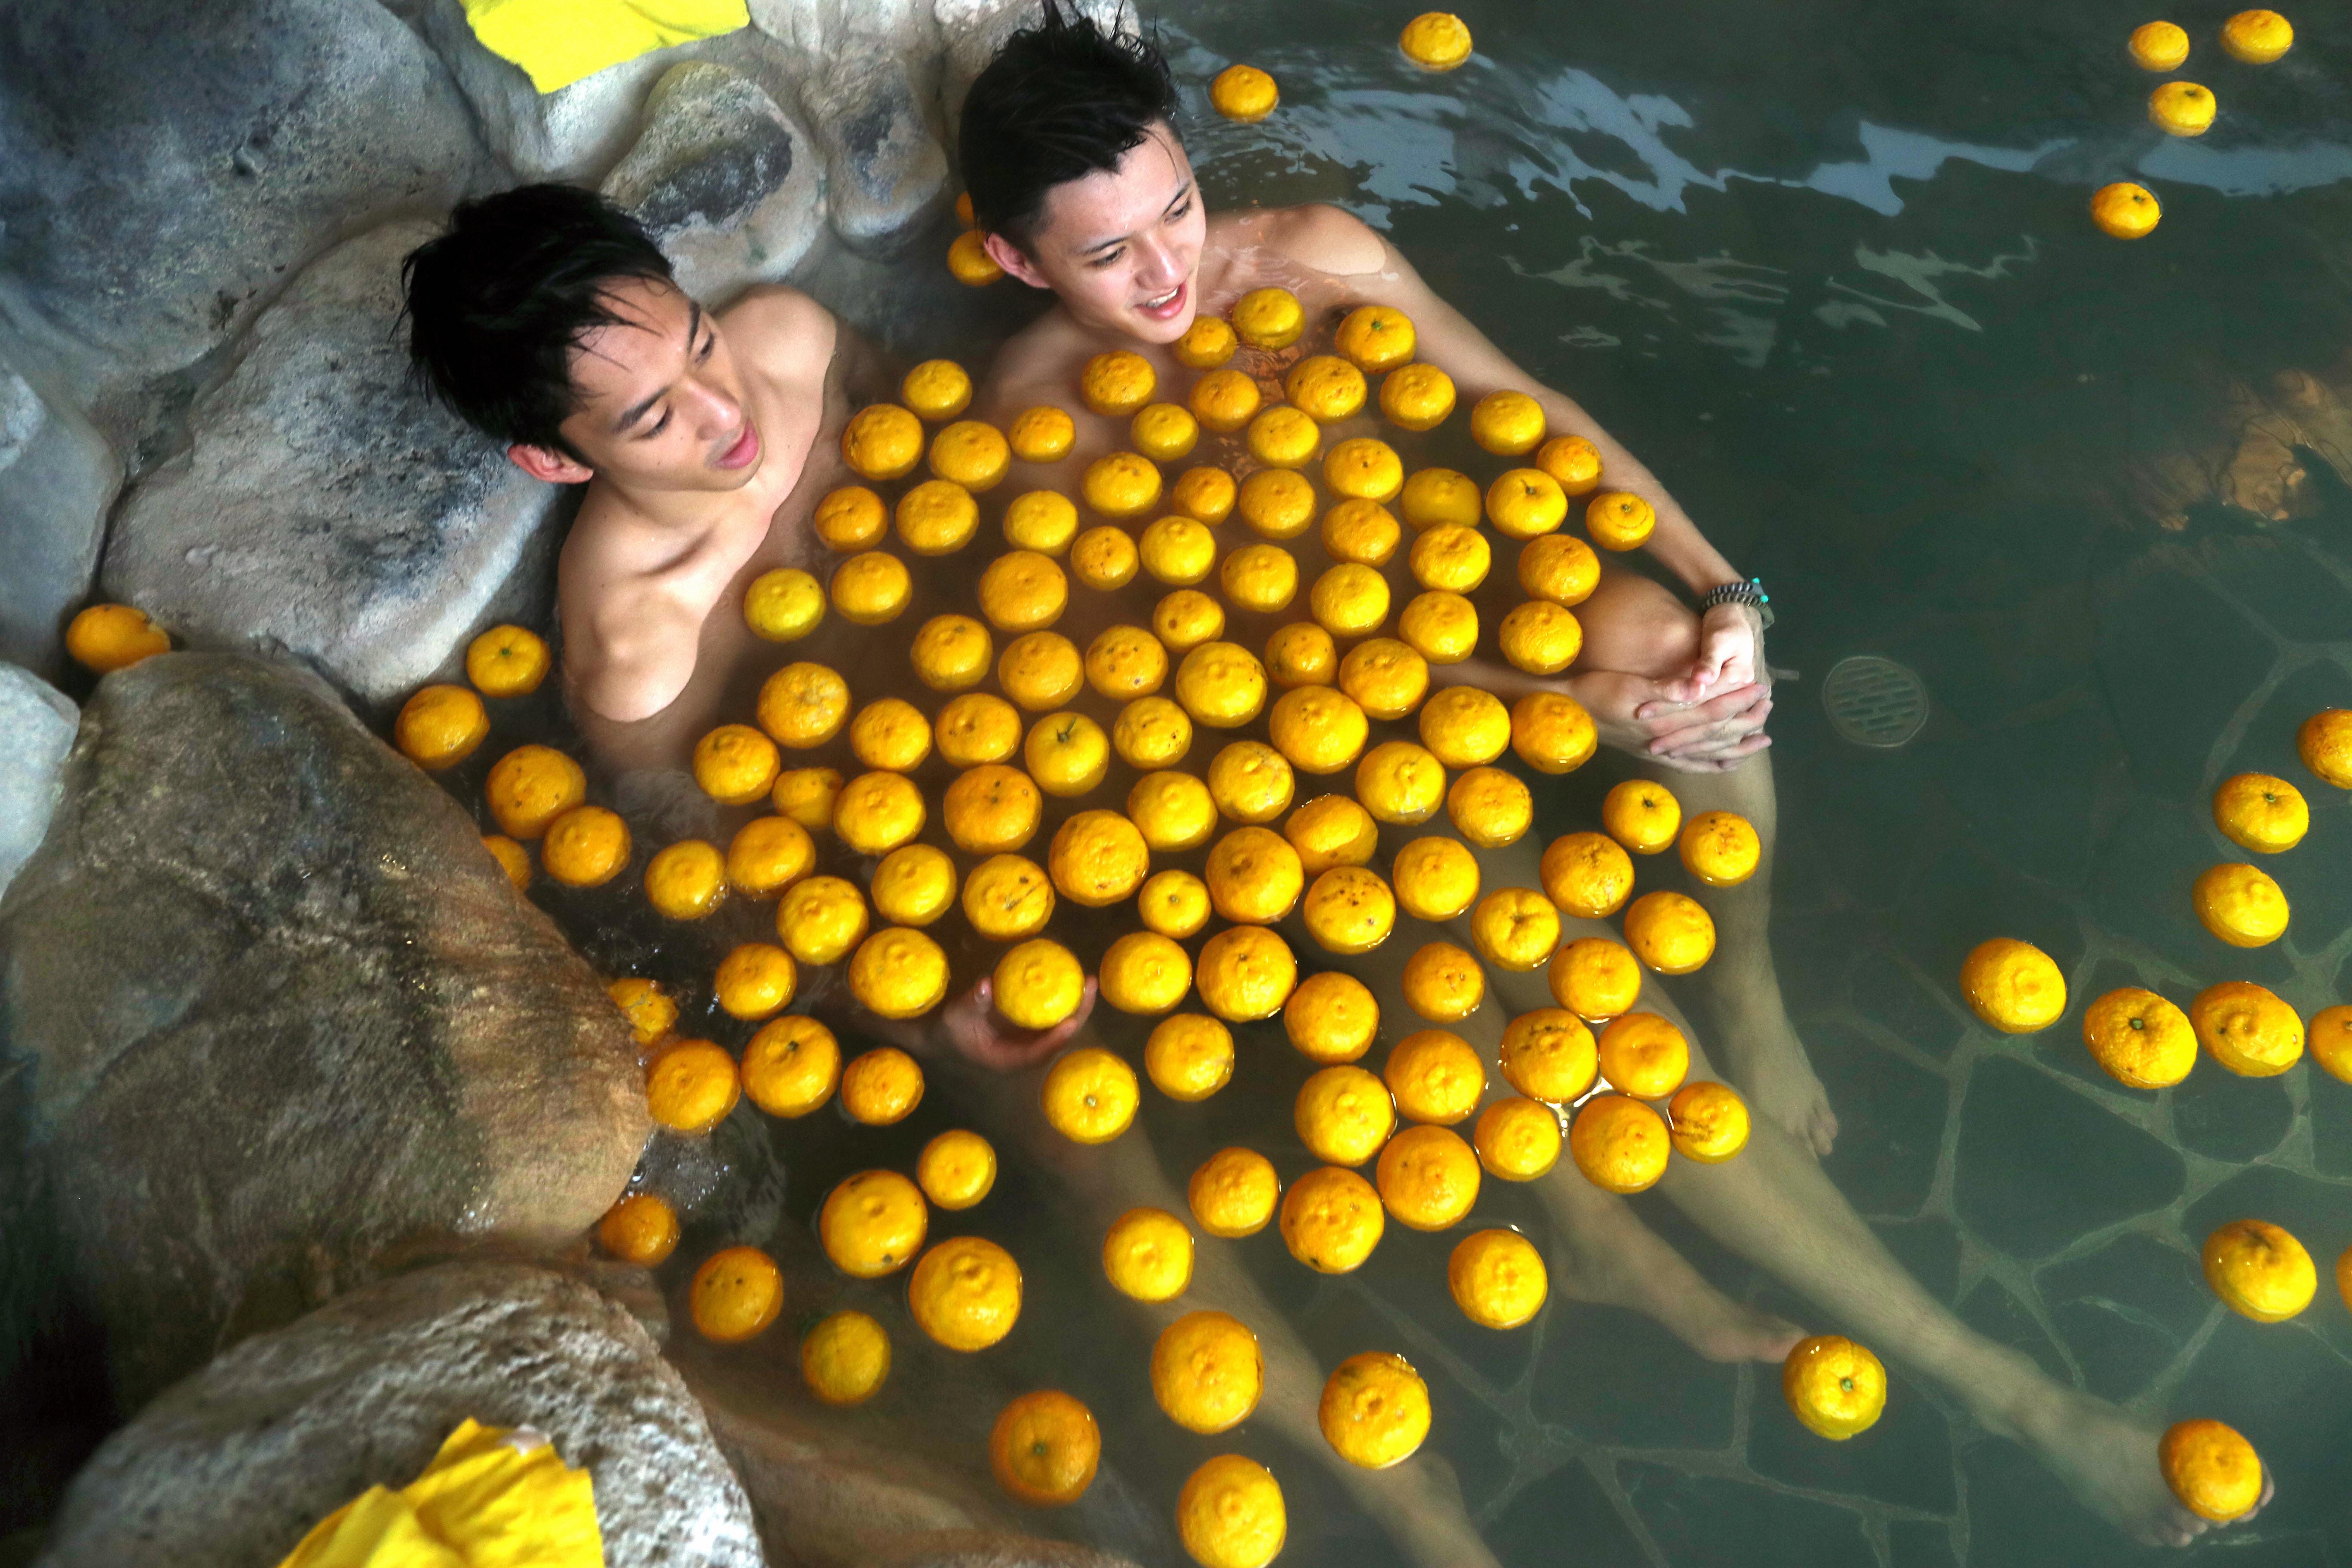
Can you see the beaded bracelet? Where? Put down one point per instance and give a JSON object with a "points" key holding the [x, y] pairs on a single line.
{"points": [[1750, 592]]}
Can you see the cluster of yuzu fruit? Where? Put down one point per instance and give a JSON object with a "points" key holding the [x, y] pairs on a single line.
{"points": [[2127, 210]]}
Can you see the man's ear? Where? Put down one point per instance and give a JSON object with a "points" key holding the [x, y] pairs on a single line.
{"points": [[1007, 255], [547, 463]]}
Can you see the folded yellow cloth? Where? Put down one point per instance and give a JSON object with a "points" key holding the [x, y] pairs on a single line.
{"points": [[557, 42], [492, 1498]]}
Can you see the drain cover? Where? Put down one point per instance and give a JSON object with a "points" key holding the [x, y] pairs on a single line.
{"points": [[1874, 701]]}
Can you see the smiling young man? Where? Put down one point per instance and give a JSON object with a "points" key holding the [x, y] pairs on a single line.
{"points": [[1080, 183], [546, 318]]}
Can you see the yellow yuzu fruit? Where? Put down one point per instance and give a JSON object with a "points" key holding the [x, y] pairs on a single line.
{"points": [[755, 981], [1362, 468], [1151, 732], [1022, 590], [846, 1357], [1517, 1140], [2247, 1028], [1594, 978], [1442, 983], [1643, 1054], [2324, 741], [2140, 1040], [1331, 1017], [1089, 1095], [881, 1087], [1836, 1388], [877, 812], [968, 261], [1173, 903], [1671, 932], [2012, 985], [965, 1293], [642, 1228], [1173, 811], [970, 453], [1435, 1075], [2181, 109], [1349, 909], [1038, 984], [1331, 1220], [1428, 1178], [530, 787], [1643, 814], [1231, 1193], [735, 1294], [1244, 94], [1441, 627], [1207, 343], [1525, 502], [890, 734], [1040, 670], [1261, 578], [1042, 520], [872, 1224], [1375, 338], [1489, 807], [1541, 637], [1619, 1144], [821, 918], [1374, 1411], [1245, 974], [2212, 1469], [2124, 210], [791, 1066], [1187, 619], [1098, 859], [685, 880], [1720, 849], [691, 1086], [1067, 754], [1498, 1278], [1008, 897], [1449, 556], [1281, 436], [586, 847], [1120, 486], [1436, 878], [1189, 1057], [1400, 782], [992, 808], [1549, 1054], [1145, 973], [1043, 434], [1230, 1514], [882, 441], [1506, 423], [1224, 400], [957, 1169], [2159, 46], [1559, 568], [104, 638], [1146, 1254], [1551, 733], [2258, 1270], [951, 653], [2243, 906], [1207, 1372], [1332, 830], [2260, 812], [1044, 1448], [651, 1012], [511, 857], [1707, 1121], [806, 795], [1267, 318], [1327, 387], [1205, 493], [803, 705], [1516, 928], [1319, 729], [898, 973], [440, 726], [2256, 37], [1301, 653], [1254, 876], [1164, 432], [1417, 396], [1104, 558]]}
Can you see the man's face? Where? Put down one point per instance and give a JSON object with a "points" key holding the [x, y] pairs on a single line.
{"points": [[661, 406], [1121, 248]]}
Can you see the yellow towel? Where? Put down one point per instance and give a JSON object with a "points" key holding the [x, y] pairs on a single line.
{"points": [[490, 1498], [557, 42]]}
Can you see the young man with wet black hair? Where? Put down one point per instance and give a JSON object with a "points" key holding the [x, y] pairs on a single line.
{"points": [[1081, 185], [546, 318]]}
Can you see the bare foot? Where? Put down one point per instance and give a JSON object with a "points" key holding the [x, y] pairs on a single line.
{"points": [[1768, 1062], [1606, 1256], [2107, 1459]]}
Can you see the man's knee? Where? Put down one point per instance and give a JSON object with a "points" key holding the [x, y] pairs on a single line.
{"points": [[1635, 626]]}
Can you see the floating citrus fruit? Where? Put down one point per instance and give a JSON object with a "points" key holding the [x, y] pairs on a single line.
{"points": [[881, 1087], [1643, 1054], [1038, 984], [2013, 986], [1233, 1192], [1332, 1017], [1720, 849], [1375, 1410], [872, 1223], [2256, 37], [1375, 338], [1206, 1372], [1594, 978], [735, 1294], [1268, 318], [1516, 1139], [2181, 109], [968, 261], [642, 1228], [2260, 812], [104, 638], [1089, 1096], [1619, 1144], [2324, 741], [791, 1065], [2258, 1270], [1836, 1388], [586, 847], [691, 1086], [846, 1357], [1331, 1220], [1147, 1254], [2214, 1472], [1044, 1448], [1244, 94], [1549, 1054], [2243, 906], [956, 1169], [2140, 1040], [506, 661], [2124, 210], [2159, 46], [965, 1293], [1434, 1076], [1498, 1278], [1230, 1514], [1428, 1177], [821, 920], [1671, 932], [1708, 1121]]}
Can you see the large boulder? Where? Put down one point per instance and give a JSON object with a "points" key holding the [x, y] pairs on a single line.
{"points": [[232, 1466], [37, 730], [867, 76], [280, 1014], [168, 166], [58, 477], [328, 507], [722, 179]]}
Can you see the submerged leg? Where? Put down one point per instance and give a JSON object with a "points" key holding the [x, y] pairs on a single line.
{"points": [[1634, 626], [1416, 1503]]}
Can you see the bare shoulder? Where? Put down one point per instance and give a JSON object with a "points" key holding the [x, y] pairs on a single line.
{"points": [[1325, 238], [780, 328], [1035, 359], [629, 646]]}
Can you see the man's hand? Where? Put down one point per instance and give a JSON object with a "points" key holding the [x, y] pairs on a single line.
{"points": [[1646, 718], [1730, 653], [981, 1034]]}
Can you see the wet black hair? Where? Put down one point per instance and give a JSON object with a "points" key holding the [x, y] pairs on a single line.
{"points": [[1061, 101], [495, 305]]}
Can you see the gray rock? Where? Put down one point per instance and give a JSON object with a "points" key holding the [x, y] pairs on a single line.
{"points": [[723, 180], [58, 477], [327, 508], [867, 70], [574, 134], [39, 721], [168, 166], [231, 1467], [279, 1013]]}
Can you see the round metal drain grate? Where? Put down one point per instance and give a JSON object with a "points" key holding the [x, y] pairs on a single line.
{"points": [[1874, 701]]}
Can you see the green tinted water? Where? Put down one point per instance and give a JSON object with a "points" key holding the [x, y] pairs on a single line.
{"points": [[1832, 276]]}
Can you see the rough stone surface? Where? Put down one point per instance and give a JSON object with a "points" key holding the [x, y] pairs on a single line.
{"points": [[870, 69], [723, 180], [229, 1468], [327, 508], [37, 721], [167, 166], [58, 477], [280, 1013], [574, 134]]}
